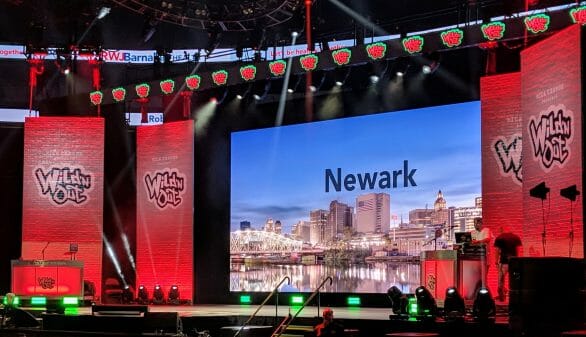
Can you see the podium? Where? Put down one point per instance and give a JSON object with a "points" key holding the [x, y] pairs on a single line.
{"points": [[51, 278], [441, 269]]}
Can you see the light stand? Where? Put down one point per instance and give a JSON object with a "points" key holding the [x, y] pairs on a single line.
{"points": [[540, 191], [570, 193]]}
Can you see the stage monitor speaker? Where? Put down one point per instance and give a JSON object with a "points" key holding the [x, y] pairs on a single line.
{"points": [[546, 295], [126, 309]]}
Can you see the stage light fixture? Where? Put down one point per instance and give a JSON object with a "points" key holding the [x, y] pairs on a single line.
{"points": [[158, 295], [127, 295], [570, 192], [173, 297], [374, 79], [539, 191], [398, 300], [484, 307], [454, 305], [103, 12], [426, 305], [143, 295]]}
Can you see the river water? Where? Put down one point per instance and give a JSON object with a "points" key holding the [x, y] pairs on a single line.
{"points": [[353, 278]]}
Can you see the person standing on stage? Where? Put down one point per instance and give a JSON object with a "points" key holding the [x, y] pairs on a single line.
{"points": [[507, 245], [481, 237]]}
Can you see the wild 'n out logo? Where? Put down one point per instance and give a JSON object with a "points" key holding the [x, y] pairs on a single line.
{"points": [[551, 134], [64, 184], [46, 282], [508, 154], [165, 187]]}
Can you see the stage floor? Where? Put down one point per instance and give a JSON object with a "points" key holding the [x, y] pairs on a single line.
{"points": [[221, 310]]}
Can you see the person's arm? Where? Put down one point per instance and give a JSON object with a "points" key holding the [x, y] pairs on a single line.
{"points": [[497, 256]]}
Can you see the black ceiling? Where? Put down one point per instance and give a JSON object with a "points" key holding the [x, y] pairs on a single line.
{"points": [[60, 23]]}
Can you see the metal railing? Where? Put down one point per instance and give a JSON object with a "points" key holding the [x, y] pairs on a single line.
{"points": [[275, 291], [282, 327]]}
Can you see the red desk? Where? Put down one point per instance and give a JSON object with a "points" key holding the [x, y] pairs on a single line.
{"points": [[47, 278]]}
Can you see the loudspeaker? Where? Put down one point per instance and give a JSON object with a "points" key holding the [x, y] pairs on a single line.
{"points": [[547, 295]]}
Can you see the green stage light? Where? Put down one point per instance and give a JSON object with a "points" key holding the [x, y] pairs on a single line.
{"points": [[353, 301], [296, 300], [412, 306], [38, 300], [70, 301], [245, 299], [15, 302]]}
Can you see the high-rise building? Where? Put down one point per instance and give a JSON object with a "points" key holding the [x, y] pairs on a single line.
{"points": [[301, 231], [463, 220], [339, 219], [244, 225], [373, 213], [269, 225], [278, 228], [319, 220]]}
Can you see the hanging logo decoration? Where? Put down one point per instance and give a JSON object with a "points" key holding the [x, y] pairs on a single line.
{"points": [[551, 132], [538, 23], [248, 73], [508, 154], [167, 86], [96, 97], [342, 56], [493, 31], [64, 184], [119, 94], [220, 77], [165, 188], [452, 38], [376, 51], [309, 62], [277, 68], [413, 44], [578, 15], [142, 90], [193, 82]]}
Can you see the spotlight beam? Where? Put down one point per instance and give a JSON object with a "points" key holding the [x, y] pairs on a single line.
{"points": [[378, 30], [283, 98]]}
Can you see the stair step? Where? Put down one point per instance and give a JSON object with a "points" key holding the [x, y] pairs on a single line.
{"points": [[305, 328]]}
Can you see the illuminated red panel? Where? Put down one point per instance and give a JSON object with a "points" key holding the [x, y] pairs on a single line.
{"points": [[502, 192], [552, 143], [49, 278], [63, 191], [164, 248]]}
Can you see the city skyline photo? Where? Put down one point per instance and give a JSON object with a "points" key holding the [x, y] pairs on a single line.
{"points": [[284, 173]]}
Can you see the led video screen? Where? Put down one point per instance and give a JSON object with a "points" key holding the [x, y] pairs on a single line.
{"points": [[356, 199]]}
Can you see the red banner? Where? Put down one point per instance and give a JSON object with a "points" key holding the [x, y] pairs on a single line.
{"points": [[63, 182], [164, 248], [552, 145], [502, 193]]}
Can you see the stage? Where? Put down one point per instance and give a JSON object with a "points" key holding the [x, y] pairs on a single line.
{"points": [[225, 320]]}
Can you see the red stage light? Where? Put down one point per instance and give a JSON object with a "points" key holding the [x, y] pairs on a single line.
{"points": [[96, 97], [413, 44], [142, 90], [167, 86], [119, 94], [193, 82], [248, 73], [376, 51], [452, 38], [277, 68], [342, 56], [538, 23], [309, 62], [220, 77]]}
